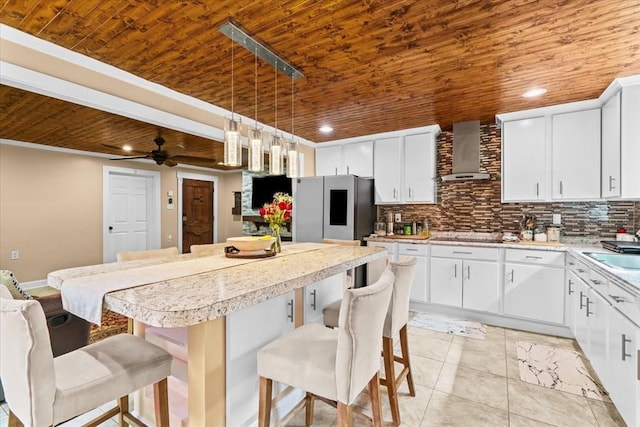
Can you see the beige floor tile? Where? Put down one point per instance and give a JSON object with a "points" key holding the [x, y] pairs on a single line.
{"points": [[433, 347], [516, 420], [494, 330], [425, 371], [449, 410], [549, 406], [411, 408], [479, 386], [515, 335], [488, 355], [323, 415], [513, 368], [429, 333], [606, 413]]}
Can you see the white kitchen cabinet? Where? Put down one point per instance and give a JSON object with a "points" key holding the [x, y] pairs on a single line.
{"points": [[611, 147], [446, 281], [570, 301], [354, 158], [630, 142], [581, 318], [247, 331], [420, 286], [464, 277], [523, 160], [386, 172], [597, 310], [320, 294], [419, 173], [624, 369], [534, 292], [328, 160], [575, 171]]}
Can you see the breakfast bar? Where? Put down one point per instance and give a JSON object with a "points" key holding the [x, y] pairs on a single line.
{"points": [[202, 300]]}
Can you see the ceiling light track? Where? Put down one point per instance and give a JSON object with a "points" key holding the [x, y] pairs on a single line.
{"points": [[239, 36]]}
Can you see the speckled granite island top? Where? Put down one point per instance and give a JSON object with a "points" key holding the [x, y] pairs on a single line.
{"points": [[197, 298]]}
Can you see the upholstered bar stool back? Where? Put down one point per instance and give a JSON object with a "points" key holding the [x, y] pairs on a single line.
{"points": [[395, 325], [42, 390], [152, 253], [210, 249], [332, 364]]}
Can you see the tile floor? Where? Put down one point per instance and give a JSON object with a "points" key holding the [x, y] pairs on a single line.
{"points": [[467, 382]]}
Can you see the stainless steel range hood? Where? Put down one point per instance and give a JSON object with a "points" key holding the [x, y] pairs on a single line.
{"points": [[466, 153]]}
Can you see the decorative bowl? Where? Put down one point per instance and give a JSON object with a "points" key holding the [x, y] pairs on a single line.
{"points": [[251, 243]]}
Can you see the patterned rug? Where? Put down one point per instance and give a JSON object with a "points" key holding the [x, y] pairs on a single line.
{"points": [[559, 369], [448, 325], [112, 324]]}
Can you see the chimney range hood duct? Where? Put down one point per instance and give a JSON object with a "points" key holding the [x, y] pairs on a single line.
{"points": [[466, 152]]}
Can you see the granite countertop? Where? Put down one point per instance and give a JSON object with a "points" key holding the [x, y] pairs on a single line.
{"points": [[195, 299]]}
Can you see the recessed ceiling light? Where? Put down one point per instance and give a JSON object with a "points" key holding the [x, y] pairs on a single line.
{"points": [[325, 129], [536, 91], [127, 147]]}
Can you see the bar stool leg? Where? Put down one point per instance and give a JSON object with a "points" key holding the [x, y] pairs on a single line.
{"points": [[308, 419], [264, 404], [14, 421], [161, 403], [376, 404], [404, 347], [345, 415], [390, 378]]}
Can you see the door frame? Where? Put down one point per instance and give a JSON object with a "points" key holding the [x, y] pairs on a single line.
{"points": [[153, 199], [200, 177]]}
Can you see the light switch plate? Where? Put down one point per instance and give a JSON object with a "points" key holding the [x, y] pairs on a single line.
{"points": [[398, 217], [556, 218]]}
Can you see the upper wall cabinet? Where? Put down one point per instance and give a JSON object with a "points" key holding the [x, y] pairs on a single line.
{"points": [[575, 155], [630, 142], [611, 147], [355, 158], [405, 169], [523, 160]]}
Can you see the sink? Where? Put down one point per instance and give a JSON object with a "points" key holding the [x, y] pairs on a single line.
{"points": [[617, 261]]}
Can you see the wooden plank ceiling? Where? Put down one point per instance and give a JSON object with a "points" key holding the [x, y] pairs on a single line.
{"points": [[370, 66]]}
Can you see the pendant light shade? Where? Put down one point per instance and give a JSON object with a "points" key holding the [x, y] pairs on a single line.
{"points": [[232, 143], [276, 155], [256, 152], [293, 160]]}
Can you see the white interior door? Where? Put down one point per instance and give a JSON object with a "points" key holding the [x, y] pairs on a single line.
{"points": [[131, 214]]}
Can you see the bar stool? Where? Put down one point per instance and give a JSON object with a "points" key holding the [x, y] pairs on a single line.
{"points": [[42, 390], [395, 324], [334, 365]]}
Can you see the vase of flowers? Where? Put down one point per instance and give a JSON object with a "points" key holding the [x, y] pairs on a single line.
{"points": [[276, 213]]}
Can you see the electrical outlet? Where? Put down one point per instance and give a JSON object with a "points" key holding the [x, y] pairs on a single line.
{"points": [[15, 254], [169, 238], [556, 218], [398, 217]]}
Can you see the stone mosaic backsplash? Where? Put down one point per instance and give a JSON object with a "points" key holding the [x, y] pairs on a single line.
{"points": [[476, 205]]}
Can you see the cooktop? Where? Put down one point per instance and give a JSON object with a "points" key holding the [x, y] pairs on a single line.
{"points": [[621, 247]]}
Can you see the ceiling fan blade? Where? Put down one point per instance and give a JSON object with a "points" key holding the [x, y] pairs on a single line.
{"points": [[193, 159], [170, 163], [174, 150], [131, 158]]}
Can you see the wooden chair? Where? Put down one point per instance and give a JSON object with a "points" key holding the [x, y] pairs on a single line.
{"points": [[395, 325], [41, 390], [334, 365]]}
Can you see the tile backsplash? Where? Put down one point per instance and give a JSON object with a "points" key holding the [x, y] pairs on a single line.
{"points": [[476, 205]]}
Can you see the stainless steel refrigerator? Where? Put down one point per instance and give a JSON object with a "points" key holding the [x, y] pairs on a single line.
{"points": [[333, 207]]}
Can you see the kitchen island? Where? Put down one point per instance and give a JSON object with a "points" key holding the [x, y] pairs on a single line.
{"points": [[202, 301]]}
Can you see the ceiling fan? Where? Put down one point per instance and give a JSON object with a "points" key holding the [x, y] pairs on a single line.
{"points": [[166, 157]]}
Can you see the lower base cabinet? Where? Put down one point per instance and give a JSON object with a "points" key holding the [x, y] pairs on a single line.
{"points": [[624, 368], [420, 285], [534, 292], [319, 295]]}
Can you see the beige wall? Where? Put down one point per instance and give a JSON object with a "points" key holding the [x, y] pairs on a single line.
{"points": [[51, 208]]}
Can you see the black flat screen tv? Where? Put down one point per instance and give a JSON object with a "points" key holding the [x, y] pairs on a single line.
{"points": [[266, 186]]}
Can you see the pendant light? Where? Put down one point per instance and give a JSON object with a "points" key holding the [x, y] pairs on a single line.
{"points": [[276, 148], [293, 157], [232, 142], [256, 152]]}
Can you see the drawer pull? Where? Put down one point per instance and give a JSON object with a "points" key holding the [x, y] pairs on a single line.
{"points": [[616, 298], [455, 270], [290, 310], [469, 272], [411, 250], [572, 263], [533, 257], [313, 302], [581, 270], [462, 252], [596, 282], [624, 347], [570, 290]]}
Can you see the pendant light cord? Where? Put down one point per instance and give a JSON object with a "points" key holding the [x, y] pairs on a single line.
{"points": [[275, 91], [232, 66], [255, 70], [292, 104]]}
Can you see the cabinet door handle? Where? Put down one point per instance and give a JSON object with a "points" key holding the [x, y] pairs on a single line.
{"points": [[468, 272], [572, 263], [410, 194], [512, 274], [537, 189], [336, 170], [611, 186], [455, 270], [624, 347], [589, 313], [394, 193], [290, 310], [561, 188], [596, 281], [581, 270], [347, 170], [533, 257], [461, 252], [616, 298], [570, 290], [581, 296], [313, 302]]}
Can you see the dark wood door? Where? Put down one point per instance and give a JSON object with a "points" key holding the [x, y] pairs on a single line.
{"points": [[197, 213]]}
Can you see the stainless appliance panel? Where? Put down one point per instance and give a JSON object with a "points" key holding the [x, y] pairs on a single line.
{"points": [[308, 213], [339, 207]]}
